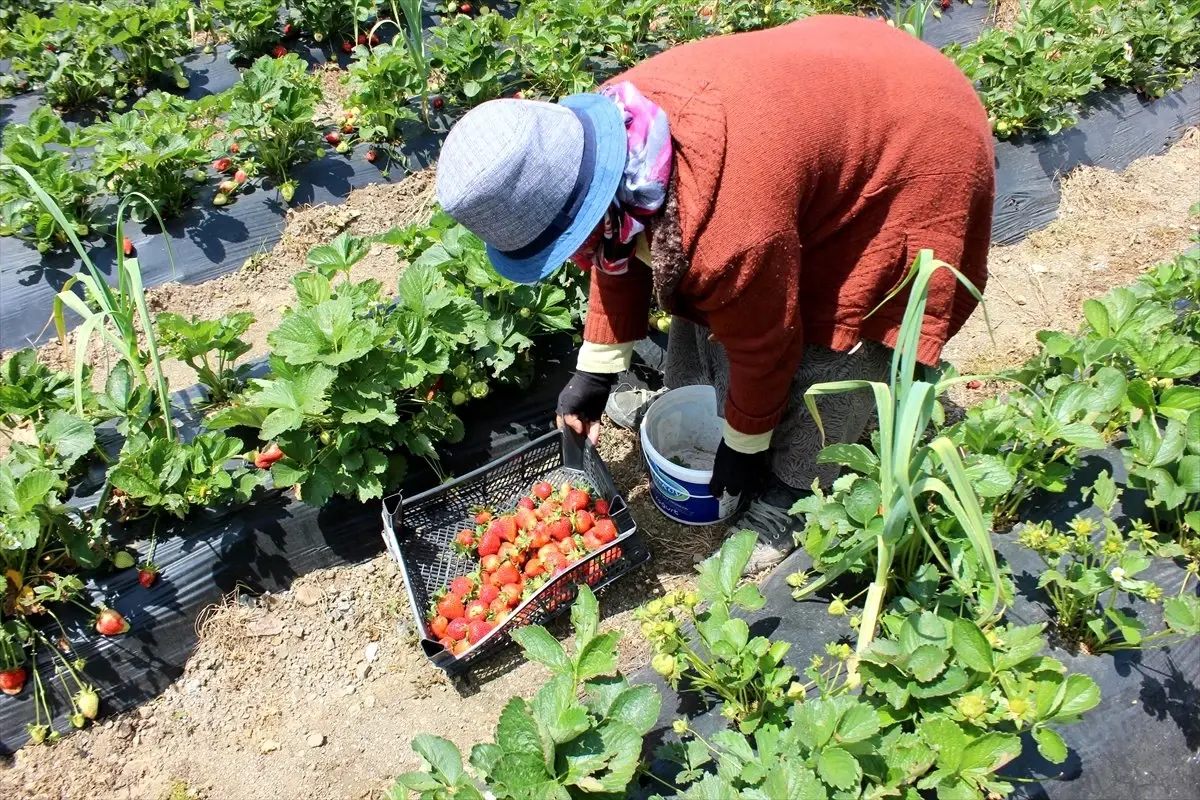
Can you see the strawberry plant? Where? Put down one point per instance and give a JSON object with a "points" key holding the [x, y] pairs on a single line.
{"points": [[29, 391], [31, 43], [37, 148], [271, 108], [154, 151], [150, 36], [251, 25], [330, 20], [471, 57], [86, 71], [580, 734], [1089, 565], [194, 341], [159, 475], [381, 80]]}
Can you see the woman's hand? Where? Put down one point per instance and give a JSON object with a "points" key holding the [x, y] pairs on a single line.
{"points": [[736, 472], [582, 401]]}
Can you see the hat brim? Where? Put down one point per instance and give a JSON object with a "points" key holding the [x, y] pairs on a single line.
{"points": [[611, 152]]}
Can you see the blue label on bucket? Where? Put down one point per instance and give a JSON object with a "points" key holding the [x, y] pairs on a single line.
{"points": [[683, 500]]}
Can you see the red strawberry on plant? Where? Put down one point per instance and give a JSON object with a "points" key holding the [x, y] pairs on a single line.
{"points": [[465, 8], [438, 626], [362, 38], [233, 148], [127, 245], [526, 503], [222, 164], [438, 103], [240, 177], [490, 544], [606, 530], [477, 630], [12, 680], [372, 155], [576, 500], [582, 521], [600, 508], [109, 622], [974, 384], [488, 592], [374, 39], [462, 586], [542, 490], [268, 456], [333, 137], [450, 607], [457, 629], [347, 47], [148, 574], [287, 29]]}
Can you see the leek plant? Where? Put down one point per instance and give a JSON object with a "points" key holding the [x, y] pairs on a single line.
{"points": [[911, 467], [414, 38], [113, 313]]}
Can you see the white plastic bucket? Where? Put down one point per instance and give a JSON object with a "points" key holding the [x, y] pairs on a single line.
{"points": [[680, 434]]}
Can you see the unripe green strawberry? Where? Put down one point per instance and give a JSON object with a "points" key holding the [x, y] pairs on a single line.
{"points": [[458, 398], [479, 390], [88, 702], [664, 664]]}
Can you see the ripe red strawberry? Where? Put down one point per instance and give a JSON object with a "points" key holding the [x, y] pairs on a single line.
{"points": [[534, 567], [457, 629], [568, 545], [591, 542], [465, 8], [488, 592], [127, 245], [576, 500], [490, 563], [560, 529], [438, 103], [510, 593], [476, 609], [545, 551], [333, 137], [499, 606], [279, 51], [270, 454], [507, 573], [526, 503], [477, 630], [540, 536], [227, 187], [606, 530], [51, 49], [582, 521], [374, 40], [109, 622], [946, 4], [240, 177], [347, 47], [147, 575], [362, 38], [600, 508], [438, 626], [462, 586], [222, 164], [974, 384], [450, 606], [460, 647], [555, 561], [483, 517], [510, 552], [490, 543], [372, 155], [525, 519], [447, 643], [542, 490], [287, 29], [12, 680], [505, 528]]}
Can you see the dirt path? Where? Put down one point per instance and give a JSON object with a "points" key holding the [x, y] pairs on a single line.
{"points": [[317, 693]]}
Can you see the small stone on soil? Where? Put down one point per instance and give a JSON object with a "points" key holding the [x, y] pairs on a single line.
{"points": [[315, 739]]}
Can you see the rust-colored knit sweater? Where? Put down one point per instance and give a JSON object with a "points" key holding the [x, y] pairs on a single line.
{"points": [[812, 162]]}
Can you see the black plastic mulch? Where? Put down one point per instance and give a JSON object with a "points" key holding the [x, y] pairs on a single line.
{"points": [[1140, 742]]}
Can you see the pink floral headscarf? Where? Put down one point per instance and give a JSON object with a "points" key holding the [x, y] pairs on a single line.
{"points": [[643, 187]]}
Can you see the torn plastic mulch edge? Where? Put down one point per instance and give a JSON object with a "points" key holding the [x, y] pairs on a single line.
{"points": [[1140, 742], [259, 547]]}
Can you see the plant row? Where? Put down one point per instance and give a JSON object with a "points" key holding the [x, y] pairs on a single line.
{"points": [[941, 690], [360, 382]]}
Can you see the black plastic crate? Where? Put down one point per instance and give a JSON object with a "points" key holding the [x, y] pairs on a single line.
{"points": [[418, 532]]}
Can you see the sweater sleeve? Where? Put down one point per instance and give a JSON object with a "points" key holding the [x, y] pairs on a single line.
{"points": [[754, 312], [618, 305]]}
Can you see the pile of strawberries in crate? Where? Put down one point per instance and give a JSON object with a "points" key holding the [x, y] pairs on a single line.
{"points": [[550, 530]]}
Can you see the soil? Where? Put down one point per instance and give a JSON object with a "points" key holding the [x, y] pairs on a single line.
{"points": [[317, 692], [1005, 13]]}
